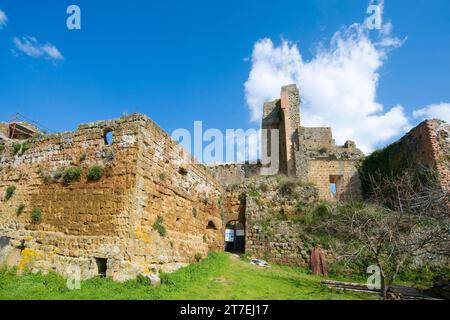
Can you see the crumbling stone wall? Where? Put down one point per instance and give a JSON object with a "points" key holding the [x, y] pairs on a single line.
{"points": [[316, 138], [146, 175], [272, 232], [344, 174], [183, 194], [310, 154], [428, 145], [234, 173]]}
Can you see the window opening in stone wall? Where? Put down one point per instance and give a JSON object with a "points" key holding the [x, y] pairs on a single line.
{"points": [[101, 266], [333, 189], [108, 136], [211, 225], [335, 185]]}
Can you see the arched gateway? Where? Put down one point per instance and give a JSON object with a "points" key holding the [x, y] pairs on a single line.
{"points": [[235, 237]]}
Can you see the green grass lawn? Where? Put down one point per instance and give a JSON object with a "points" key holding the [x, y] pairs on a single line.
{"points": [[219, 276]]}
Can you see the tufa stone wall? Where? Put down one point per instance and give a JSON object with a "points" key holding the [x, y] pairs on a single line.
{"points": [[271, 230], [428, 144], [344, 174], [310, 154], [234, 173], [138, 217]]}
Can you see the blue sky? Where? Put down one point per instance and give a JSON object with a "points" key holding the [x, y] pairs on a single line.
{"points": [[180, 61]]}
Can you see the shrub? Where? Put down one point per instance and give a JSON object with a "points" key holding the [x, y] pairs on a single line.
{"points": [[264, 187], [95, 172], [198, 257], [44, 175], [159, 226], [322, 210], [194, 212], [183, 170], [2, 147], [36, 215], [20, 148], [301, 207], [9, 192], [20, 208], [205, 201], [83, 157], [71, 174], [205, 238], [287, 187], [16, 148], [143, 280], [162, 176], [254, 194], [57, 175]]}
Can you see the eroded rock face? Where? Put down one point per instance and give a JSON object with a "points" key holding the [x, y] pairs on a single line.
{"points": [[136, 218]]}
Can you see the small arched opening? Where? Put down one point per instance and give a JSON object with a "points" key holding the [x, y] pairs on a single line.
{"points": [[235, 237], [211, 225], [108, 136]]}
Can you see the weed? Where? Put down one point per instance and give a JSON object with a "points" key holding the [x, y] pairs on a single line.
{"points": [[71, 174], [20, 208], [95, 173], [159, 226], [36, 215], [20, 147], [9, 192]]}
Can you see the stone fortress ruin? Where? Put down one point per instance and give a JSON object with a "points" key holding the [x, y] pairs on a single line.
{"points": [[309, 154], [138, 203]]}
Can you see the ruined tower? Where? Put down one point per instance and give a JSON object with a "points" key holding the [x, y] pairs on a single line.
{"points": [[283, 115], [309, 154]]}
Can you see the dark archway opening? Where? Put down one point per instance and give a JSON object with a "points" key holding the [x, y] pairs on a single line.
{"points": [[235, 237], [102, 266], [211, 225]]}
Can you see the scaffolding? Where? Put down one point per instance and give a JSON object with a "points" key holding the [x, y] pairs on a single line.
{"points": [[22, 127]]}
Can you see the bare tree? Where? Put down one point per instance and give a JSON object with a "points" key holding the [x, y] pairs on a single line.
{"points": [[408, 217]]}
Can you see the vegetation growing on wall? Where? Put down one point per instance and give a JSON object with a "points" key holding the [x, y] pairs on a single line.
{"points": [[95, 173], [36, 215], [388, 161], [71, 174], [205, 200], [20, 147], [57, 175], [159, 226], [10, 192], [20, 208]]}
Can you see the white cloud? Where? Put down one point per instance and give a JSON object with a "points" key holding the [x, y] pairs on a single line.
{"points": [[338, 85], [32, 48], [434, 111], [3, 19]]}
